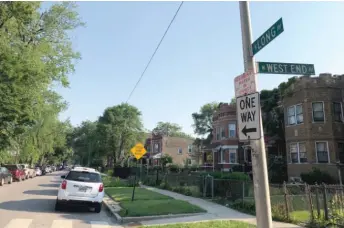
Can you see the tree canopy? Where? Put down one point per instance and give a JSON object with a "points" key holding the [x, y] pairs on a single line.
{"points": [[203, 121], [36, 54], [170, 129]]}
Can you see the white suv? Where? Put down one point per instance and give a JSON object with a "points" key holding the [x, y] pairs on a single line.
{"points": [[81, 187]]}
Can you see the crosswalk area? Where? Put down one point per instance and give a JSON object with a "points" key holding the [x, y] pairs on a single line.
{"points": [[59, 223]]}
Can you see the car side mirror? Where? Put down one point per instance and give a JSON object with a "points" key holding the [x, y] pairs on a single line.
{"points": [[63, 176]]}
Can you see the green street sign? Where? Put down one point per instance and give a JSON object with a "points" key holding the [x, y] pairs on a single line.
{"points": [[268, 36], [285, 68]]}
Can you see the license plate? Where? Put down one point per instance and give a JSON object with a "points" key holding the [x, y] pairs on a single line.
{"points": [[83, 189]]}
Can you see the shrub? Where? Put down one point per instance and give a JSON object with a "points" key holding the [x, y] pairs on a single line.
{"points": [[173, 168], [246, 206], [317, 176], [237, 168]]}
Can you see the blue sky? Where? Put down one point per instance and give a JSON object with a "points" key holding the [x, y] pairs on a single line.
{"points": [[199, 58]]}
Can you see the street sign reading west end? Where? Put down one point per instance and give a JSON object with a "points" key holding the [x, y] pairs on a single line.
{"points": [[285, 68], [248, 115], [138, 151], [268, 36], [245, 84]]}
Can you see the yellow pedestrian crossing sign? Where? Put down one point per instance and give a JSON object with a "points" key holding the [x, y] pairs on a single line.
{"points": [[138, 150]]}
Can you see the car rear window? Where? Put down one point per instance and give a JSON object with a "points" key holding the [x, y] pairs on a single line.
{"points": [[84, 177], [11, 167]]}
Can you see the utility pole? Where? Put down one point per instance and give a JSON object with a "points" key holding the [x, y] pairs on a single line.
{"points": [[259, 164]]}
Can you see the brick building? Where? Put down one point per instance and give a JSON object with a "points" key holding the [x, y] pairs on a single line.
{"points": [[225, 143], [180, 149], [314, 127]]}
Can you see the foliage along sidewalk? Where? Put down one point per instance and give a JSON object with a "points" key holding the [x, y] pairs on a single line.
{"points": [[215, 211], [212, 224], [148, 204]]}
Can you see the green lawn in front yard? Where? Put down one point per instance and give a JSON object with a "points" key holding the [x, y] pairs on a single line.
{"points": [[212, 224], [148, 203]]}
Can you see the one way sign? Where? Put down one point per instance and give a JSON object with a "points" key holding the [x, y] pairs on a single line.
{"points": [[248, 113]]}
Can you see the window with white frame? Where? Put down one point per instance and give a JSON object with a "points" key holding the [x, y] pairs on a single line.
{"points": [[337, 111], [180, 150], [318, 112], [223, 133], [217, 133], [298, 152], [190, 149], [233, 156], [223, 155], [232, 130], [295, 114], [322, 152]]}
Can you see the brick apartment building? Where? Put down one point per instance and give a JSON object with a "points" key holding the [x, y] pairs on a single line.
{"points": [[180, 149], [314, 126], [225, 143]]}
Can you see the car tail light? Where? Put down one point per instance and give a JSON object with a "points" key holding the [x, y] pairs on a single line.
{"points": [[101, 187], [64, 184]]}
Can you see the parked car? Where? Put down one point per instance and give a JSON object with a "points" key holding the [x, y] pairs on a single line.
{"points": [[81, 187], [5, 176], [17, 171], [38, 171], [48, 169], [29, 173]]}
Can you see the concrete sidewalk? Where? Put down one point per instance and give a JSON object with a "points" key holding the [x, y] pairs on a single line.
{"points": [[215, 212]]}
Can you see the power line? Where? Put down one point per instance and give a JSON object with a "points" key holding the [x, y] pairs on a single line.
{"points": [[156, 49]]}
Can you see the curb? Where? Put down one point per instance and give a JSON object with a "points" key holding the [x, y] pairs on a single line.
{"points": [[126, 220], [114, 208]]}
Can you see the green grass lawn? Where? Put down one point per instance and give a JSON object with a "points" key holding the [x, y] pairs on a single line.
{"points": [[148, 203], [212, 224]]}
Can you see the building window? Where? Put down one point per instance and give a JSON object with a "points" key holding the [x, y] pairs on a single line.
{"points": [[232, 130], [318, 112], [223, 155], [341, 152], [337, 111], [298, 153], [233, 156], [156, 148], [217, 133], [295, 115], [223, 133], [180, 150], [322, 152], [190, 149]]}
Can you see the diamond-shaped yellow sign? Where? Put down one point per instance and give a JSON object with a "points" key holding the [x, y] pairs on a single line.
{"points": [[138, 150]]}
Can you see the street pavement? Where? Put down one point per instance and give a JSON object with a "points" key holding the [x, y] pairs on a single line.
{"points": [[30, 204]]}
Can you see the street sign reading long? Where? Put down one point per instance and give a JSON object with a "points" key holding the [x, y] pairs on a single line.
{"points": [[285, 68], [248, 115], [268, 36]]}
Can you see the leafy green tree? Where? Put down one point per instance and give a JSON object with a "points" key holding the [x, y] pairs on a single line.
{"points": [[35, 53], [120, 127], [170, 129], [203, 122]]}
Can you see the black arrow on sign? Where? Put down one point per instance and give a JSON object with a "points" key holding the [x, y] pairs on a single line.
{"points": [[248, 130]]}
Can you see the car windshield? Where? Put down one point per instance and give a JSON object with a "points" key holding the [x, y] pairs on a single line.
{"points": [[11, 167], [84, 177]]}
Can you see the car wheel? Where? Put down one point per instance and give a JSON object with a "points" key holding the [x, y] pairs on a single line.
{"points": [[98, 208], [10, 181], [58, 206], [2, 182]]}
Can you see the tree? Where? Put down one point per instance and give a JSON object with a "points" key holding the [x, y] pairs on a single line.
{"points": [[203, 121], [120, 127], [170, 129], [233, 101], [35, 53]]}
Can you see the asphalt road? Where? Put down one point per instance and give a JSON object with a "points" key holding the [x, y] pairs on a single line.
{"points": [[30, 204]]}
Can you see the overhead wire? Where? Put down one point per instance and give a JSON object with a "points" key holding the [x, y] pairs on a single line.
{"points": [[155, 51]]}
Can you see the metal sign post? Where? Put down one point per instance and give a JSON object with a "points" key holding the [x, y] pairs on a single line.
{"points": [[259, 166]]}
